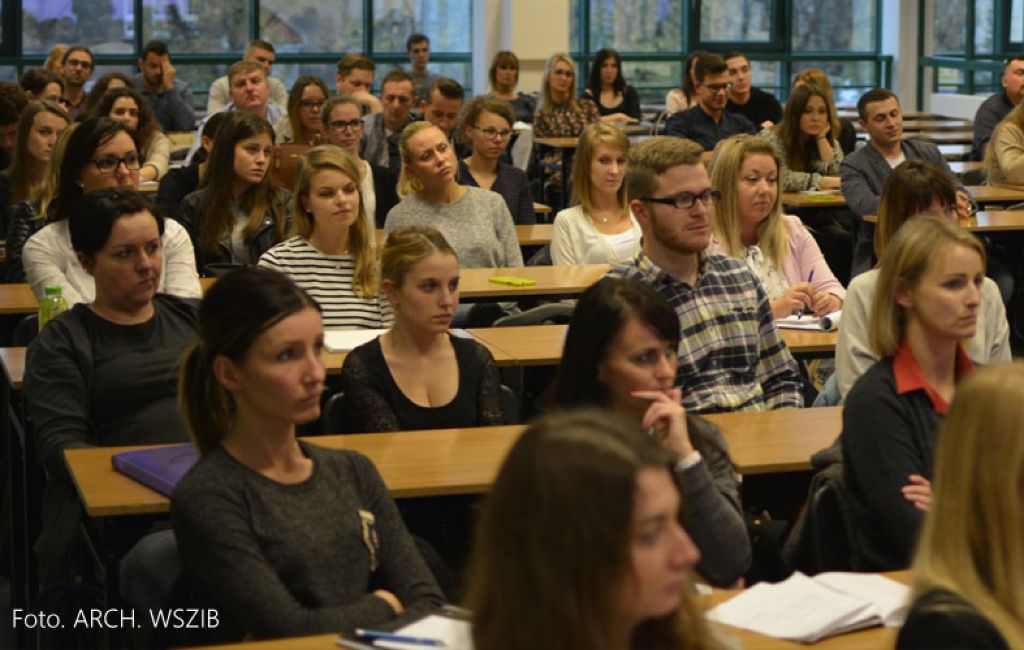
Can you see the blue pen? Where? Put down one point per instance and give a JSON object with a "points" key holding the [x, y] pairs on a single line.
{"points": [[374, 635], [810, 277]]}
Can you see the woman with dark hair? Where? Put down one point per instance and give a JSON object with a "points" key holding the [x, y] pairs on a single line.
{"points": [[40, 83], [913, 189], [332, 254], [620, 353], [343, 124], [104, 373], [302, 122], [39, 126], [616, 100], [417, 375], [127, 106], [100, 153], [487, 123], [927, 299], [109, 81], [847, 134], [579, 544], [283, 537], [179, 182], [238, 213], [807, 141], [504, 76]]}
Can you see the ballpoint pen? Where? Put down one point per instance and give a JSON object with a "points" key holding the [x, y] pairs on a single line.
{"points": [[377, 635]]}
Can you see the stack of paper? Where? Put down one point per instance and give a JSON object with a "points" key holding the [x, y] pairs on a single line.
{"points": [[808, 609], [803, 322]]}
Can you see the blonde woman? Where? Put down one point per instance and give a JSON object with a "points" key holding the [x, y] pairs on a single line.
{"points": [[331, 255], [926, 302], [560, 113], [600, 227], [475, 222], [749, 225], [969, 566], [1004, 156]]}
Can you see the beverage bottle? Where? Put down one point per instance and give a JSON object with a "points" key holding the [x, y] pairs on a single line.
{"points": [[51, 305]]}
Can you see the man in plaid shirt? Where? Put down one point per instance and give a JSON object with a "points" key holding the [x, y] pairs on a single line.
{"points": [[731, 357]]}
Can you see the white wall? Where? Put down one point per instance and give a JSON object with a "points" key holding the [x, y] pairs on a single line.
{"points": [[533, 29]]}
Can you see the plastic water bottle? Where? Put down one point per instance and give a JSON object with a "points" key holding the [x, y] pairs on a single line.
{"points": [[52, 305]]}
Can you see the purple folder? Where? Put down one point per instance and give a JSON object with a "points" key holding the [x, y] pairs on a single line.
{"points": [[159, 468]]}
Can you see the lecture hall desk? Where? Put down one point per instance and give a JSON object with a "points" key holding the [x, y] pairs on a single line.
{"points": [[876, 638], [987, 221], [465, 461]]}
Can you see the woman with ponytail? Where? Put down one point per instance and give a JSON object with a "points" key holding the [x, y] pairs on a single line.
{"points": [[282, 537]]}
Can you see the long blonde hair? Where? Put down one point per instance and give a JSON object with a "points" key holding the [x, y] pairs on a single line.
{"points": [[905, 260], [547, 103], [972, 542], [47, 192], [592, 136], [725, 177], [360, 236]]}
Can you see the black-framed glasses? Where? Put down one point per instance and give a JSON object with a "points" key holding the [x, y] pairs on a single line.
{"points": [[109, 164], [312, 104], [492, 133], [719, 88], [346, 125], [686, 200]]}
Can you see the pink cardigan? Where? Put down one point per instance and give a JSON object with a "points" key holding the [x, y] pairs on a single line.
{"points": [[803, 257]]}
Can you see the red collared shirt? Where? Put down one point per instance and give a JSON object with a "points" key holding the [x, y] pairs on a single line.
{"points": [[910, 377]]}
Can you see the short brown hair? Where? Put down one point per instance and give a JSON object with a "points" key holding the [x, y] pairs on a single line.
{"points": [[653, 157], [503, 59], [910, 189], [448, 88], [709, 63], [351, 62], [244, 67]]}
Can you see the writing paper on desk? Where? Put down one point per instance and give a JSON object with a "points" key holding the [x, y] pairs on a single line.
{"points": [[346, 340], [804, 609], [825, 323], [456, 634]]}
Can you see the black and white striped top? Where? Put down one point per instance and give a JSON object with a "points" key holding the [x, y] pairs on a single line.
{"points": [[328, 278]]}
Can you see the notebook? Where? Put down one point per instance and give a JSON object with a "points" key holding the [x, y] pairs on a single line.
{"points": [[159, 468]]}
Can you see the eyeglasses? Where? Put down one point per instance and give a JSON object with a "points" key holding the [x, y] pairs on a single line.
{"points": [[343, 125], [312, 104], [687, 200], [564, 73], [718, 88], [492, 133], [108, 164]]}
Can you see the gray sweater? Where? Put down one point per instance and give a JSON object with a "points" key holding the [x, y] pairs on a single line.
{"points": [[286, 560], [478, 226]]}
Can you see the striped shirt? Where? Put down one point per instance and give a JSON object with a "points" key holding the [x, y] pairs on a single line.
{"points": [[731, 357], [328, 278]]}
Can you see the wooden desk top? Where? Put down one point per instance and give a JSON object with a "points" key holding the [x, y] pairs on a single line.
{"points": [[996, 194], [954, 151], [551, 281], [465, 461], [17, 299], [568, 142], [944, 137], [916, 124], [818, 200]]}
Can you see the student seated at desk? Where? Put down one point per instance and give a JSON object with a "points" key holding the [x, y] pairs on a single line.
{"points": [[39, 126], [105, 373], [284, 537], [926, 302], [620, 352], [1004, 156], [302, 123], [476, 223], [561, 115], [488, 127], [579, 544], [913, 188], [417, 375], [504, 76], [616, 100], [100, 153], [749, 226], [238, 213], [600, 227], [807, 141], [969, 565], [182, 181], [127, 106], [332, 255]]}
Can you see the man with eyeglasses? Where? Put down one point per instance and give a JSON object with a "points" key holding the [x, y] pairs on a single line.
{"points": [[158, 83], [263, 53], [731, 357], [758, 106], [383, 131], [77, 68], [707, 121], [995, 108]]}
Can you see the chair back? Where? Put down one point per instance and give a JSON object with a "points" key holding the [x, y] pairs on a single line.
{"points": [[285, 162]]}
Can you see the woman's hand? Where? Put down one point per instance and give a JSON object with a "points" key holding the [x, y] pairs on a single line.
{"points": [[390, 599], [918, 492], [795, 299], [666, 417], [830, 183], [825, 303]]}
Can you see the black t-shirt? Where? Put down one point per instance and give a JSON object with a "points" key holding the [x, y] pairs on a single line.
{"points": [[760, 107]]}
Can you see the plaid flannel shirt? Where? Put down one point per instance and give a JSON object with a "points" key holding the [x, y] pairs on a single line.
{"points": [[731, 357]]}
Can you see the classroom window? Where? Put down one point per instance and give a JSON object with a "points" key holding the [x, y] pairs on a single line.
{"points": [[1017, 22], [197, 27], [949, 28], [850, 79], [312, 25], [448, 23], [834, 26], [635, 25], [984, 27], [651, 78], [733, 21], [103, 25]]}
